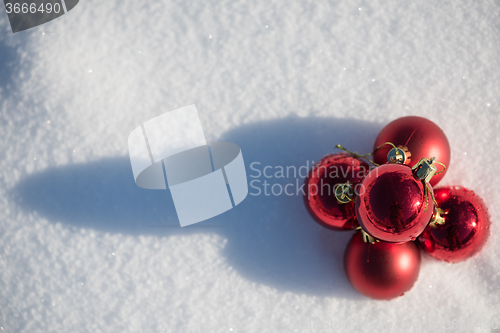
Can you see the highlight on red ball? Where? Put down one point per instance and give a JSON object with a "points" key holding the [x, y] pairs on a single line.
{"points": [[381, 270]]}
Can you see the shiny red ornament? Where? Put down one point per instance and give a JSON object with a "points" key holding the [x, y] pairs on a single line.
{"points": [[393, 204], [422, 137], [381, 270], [319, 187], [466, 227]]}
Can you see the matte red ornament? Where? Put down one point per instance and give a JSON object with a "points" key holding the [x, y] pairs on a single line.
{"points": [[466, 227], [422, 137], [319, 187], [381, 270], [393, 204]]}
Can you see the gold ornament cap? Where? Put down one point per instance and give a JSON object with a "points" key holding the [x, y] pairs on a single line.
{"points": [[425, 169], [367, 238], [437, 218], [344, 193], [399, 155]]}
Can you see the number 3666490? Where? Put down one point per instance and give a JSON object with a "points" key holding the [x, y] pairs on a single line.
{"points": [[32, 8]]}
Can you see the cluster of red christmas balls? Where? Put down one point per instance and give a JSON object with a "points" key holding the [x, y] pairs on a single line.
{"points": [[394, 207]]}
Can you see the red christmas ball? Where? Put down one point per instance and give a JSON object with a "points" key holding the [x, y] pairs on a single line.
{"points": [[393, 204], [422, 137], [319, 187], [381, 270], [466, 227]]}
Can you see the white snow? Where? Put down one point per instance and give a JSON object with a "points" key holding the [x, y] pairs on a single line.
{"points": [[83, 249]]}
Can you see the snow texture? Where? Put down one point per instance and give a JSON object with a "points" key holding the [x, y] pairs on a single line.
{"points": [[83, 249]]}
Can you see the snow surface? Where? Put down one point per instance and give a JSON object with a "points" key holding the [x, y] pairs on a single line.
{"points": [[82, 249]]}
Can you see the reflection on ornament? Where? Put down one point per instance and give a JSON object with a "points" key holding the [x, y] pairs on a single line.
{"points": [[393, 205], [335, 172], [465, 229]]}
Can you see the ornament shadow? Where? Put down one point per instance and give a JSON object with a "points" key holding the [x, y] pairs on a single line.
{"points": [[271, 239]]}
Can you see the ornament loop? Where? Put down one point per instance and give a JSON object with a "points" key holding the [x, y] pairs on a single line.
{"points": [[356, 155], [442, 170], [385, 143]]}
